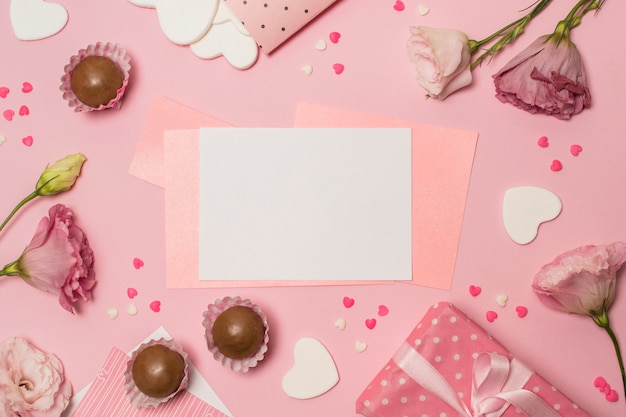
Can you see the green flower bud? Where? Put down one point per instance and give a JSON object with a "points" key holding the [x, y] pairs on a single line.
{"points": [[60, 176]]}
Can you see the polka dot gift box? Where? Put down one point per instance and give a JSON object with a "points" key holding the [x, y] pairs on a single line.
{"points": [[449, 366]]}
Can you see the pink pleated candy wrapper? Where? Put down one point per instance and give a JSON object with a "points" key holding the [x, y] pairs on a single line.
{"points": [[449, 366]]}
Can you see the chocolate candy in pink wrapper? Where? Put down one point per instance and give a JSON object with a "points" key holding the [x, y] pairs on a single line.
{"points": [[449, 366]]}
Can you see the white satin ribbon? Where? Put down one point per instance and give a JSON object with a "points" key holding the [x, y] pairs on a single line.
{"points": [[496, 384]]}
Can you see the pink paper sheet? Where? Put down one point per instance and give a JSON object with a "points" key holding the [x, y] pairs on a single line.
{"points": [[442, 161]]}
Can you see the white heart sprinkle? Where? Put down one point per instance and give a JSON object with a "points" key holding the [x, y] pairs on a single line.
{"points": [[422, 10], [501, 300], [112, 313], [307, 69], [132, 309], [320, 45], [2, 139], [340, 324], [360, 346]]}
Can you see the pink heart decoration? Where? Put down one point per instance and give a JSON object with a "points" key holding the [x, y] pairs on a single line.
{"points": [[348, 302], [474, 290], [334, 37], [599, 382], [556, 165], [383, 310], [24, 111], [4, 92], [370, 323], [27, 87], [491, 316], [28, 140], [605, 389], [338, 68], [521, 311], [575, 149], [8, 114], [612, 396], [399, 6], [137, 263], [131, 292], [155, 306], [543, 142]]}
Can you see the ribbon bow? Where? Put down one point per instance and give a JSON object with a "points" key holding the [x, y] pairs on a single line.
{"points": [[497, 382]]}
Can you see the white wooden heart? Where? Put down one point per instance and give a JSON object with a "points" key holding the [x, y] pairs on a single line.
{"points": [[314, 371], [36, 19], [525, 208]]}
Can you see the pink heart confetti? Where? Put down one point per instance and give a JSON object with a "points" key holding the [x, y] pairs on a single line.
{"points": [[370, 323], [334, 37], [383, 310], [474, 290], [155, 306], [131, 292], [612, 396], [137, 263], [521, 311], [599, 382], [605, 389], [543, 142], [491, 316], [24, 111], [27, 87], [4, 92], [348, 302], [399, 6], [338, 68], [575, 149], [556, 165], [28, 140], [8, 114]]}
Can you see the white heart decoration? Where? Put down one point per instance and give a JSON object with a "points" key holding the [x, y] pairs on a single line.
{"points": [[525, 208], [36, 19], [224, 39], [314, 371]]}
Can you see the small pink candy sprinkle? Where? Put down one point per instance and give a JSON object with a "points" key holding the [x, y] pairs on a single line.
{"points": [[8, 114], [556, 165], [28, 140], [612, 396], [383, 310], [137, 263], [491, 316], [599, 382], [575, 149], [543, 142], [474, 290], [131, 292], [334, 37], [370, 323], [4, 92], [24, 111], [399, 5], [338, 68], [521, 311], [27, 87], [155, 306], [348, 302]]}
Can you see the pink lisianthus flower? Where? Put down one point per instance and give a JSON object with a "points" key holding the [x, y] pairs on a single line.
{"points": [[32, 383], [58, 259], [441, 60], [547, 77]]}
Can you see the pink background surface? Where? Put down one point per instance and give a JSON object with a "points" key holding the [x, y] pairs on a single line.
{"points": [[124, 217]]}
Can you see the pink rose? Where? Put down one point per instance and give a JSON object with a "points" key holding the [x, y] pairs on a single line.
{"points": [[581, 281], [547, 77], [31, 381], [58, 259], [441, 58]]}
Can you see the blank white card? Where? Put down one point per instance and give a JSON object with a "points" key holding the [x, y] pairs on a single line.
{"points": [[305, 204]]}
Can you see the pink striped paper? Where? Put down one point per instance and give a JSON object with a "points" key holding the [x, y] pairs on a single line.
{"points": [[106, 397]]}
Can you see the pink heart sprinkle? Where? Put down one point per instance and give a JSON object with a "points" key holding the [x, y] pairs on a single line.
{"points": [[348, 302], [4, 92], [556, 165], [383, 310], [399, 6], [137, 263], [28, 140], [24, 111], [131, 292], [491, 316], [599, 382], [8, 114], [338, 68], [612, 396], [474, 290], [27, 87], [605, 389], [543, 142], [155, 306], [370, 323], [334, 37], [575, 149], [521, 311]]}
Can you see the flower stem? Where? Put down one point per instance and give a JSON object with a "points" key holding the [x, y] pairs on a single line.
{"points": [[10, 269], [19, 206], [602, 320]]}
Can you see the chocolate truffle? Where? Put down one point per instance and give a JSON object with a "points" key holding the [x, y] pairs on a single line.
{"points": [[95, 80], [238, 332], [158, 371]]}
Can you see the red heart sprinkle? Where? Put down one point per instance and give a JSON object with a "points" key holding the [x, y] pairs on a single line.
{"points": [[491, 316], [28, 140], [575, 149], [399, 6], [370, 323], [612, 396], [4, 92], [348, 302], [137, 263], [155, 306], [131, 292], [27, 87], [521, 311], [599, 382], [605, 389], [24, 111], [334, 37], [8, 114], [556, 165], [474, 290], [338, 68], [383, 310], [543, 142]]}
